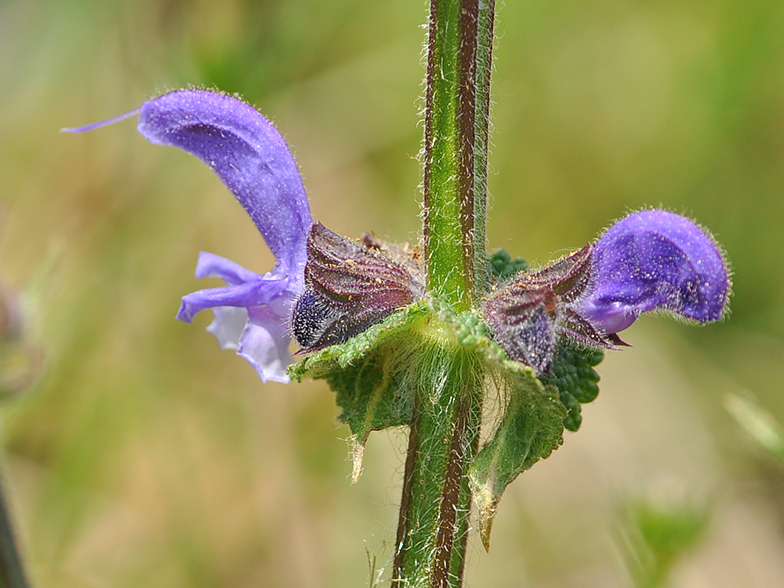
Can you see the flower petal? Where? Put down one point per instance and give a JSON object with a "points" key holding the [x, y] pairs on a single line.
{"points": [[655, 260], [265, 344], [247, 153], [249, 294], [227, 325], [215, 266]]}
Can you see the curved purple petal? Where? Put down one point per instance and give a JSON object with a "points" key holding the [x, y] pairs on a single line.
{"points": [[256, 293], [210, 265], [248, 154], [655, 260]]}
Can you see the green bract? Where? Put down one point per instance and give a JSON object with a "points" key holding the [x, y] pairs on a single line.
{"points": [[379, 375]]}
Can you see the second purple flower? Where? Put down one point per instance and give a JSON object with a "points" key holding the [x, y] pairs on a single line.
{"points": [[651, 260]]}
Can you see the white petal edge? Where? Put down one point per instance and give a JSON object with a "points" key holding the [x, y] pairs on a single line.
{"points": [[265, 345], [227, 325]]}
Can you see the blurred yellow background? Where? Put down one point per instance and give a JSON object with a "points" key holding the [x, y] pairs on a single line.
{"points": [[146, 457]]}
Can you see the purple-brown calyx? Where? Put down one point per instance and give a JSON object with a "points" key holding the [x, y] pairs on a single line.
{"points": [[350, 287], [527, 314]]}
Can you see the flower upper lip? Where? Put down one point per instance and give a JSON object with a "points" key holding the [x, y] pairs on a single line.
{"points": [[252, 159], [248, 154], [656, 260]]}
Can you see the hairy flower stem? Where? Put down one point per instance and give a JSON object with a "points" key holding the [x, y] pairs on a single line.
{"points": [[433, 526], [455, 147], [436, 503]]}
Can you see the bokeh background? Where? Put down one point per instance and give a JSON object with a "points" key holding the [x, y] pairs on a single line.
{"points": [[144, 456]]}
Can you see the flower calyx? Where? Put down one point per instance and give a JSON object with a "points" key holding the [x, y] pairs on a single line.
{"points": [[351, 286], [527, 314]]}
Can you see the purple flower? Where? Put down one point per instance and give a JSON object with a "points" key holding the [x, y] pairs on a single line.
{"points": [[249, 155], [655, 260], [651, 260]]}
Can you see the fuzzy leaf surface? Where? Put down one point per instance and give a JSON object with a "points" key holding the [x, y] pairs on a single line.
{"points": [[572, 374], [530, 429], [369, 375]]}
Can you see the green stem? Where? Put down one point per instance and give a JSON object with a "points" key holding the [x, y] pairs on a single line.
{"points": [[433, 526], [12, 573], [436, 504], [455, 150]]}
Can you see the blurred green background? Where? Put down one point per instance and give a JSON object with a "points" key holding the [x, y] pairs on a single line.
{"points": [[144, 456]]}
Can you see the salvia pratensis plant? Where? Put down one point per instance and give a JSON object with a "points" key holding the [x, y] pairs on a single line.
{"points": [[419, 337]]}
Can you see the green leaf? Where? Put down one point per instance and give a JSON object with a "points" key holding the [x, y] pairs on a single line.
{"points": [[372, 397], [369, 395], [503, 267], [575, 379], [369, 376], [531, 428]]}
